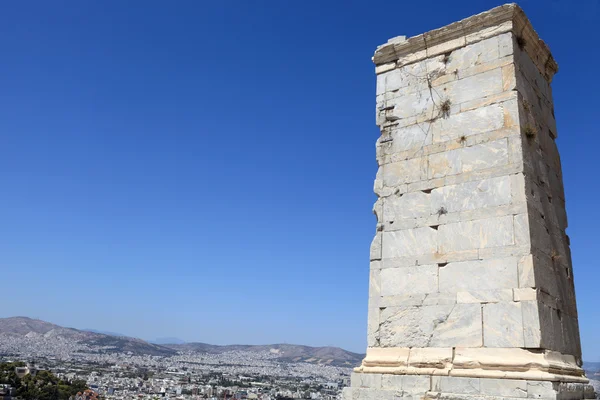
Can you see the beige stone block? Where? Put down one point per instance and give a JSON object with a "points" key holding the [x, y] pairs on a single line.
{"points": [[360, 380], [477, 234], [406, 385], [478, 276], [380, 69], [412, 57], [490, 31], [511, 116], [392, 382], [509, 78], [430, 357], [531, 324], [457, 385], [412, 137], [416, 384], [468, 123], [409, 242], [503, 251], [387, 356], [411, 77], [541, 390], [406, 206], [485, 296], [487, 100], [376, 247], [517, 188], [503, 387], [421, 103], [372, 394], [473, 87], [449, 76], [397, 173], [503, 325], [403, 300], [491, 192], [526, 275], [374, 283], [431, 258], [505, 44], [409, 280], [524, 294], [373, 321], [521, 226], [446, 46], [436, 298], [462, 328], [411, 326], [474, 54], [469, 159], [488, 66], [378, 210]]}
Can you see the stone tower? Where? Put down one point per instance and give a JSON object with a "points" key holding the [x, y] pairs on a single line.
{"points": [[471, 286]]}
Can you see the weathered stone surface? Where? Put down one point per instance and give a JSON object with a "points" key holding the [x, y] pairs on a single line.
{"points": [[474, 87], [413, 137], [409, 280], [462, 328], [401, 172], [521, 227], [457, 385], [526, 275], [489, 232], [478, 53], [372, 381], [409, 242], [376, 247], [477, 276], [491, 192], [411, 326], [409, 205], [436, 298], [407, 385], [468, 159], [435, 326], [463, 388], [485, 296], [468, 123], [471, 293], [524, 294], [503, 325], [503, 387]]}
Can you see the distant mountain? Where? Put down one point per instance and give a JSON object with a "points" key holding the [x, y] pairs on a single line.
{"points": [[40, 334], [103, 332], [24, 327], [168, 340], [284, 352]]}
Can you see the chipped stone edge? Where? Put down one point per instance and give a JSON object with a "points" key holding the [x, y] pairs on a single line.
{"points": [[503, 363], [502, 19]]}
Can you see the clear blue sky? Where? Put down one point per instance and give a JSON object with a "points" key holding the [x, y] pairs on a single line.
{"points": [[204, 169]]}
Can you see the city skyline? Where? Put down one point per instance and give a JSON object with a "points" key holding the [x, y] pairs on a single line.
{"points": [[205, 171]]}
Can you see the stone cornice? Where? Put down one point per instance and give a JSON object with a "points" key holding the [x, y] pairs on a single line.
{"points": [[500, 363], [502, 19]]}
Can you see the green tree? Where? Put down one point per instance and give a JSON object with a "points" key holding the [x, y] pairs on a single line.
{"points": [[43, 386]]}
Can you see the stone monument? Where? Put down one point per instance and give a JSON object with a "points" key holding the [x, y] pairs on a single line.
{"points": [[471, 287]]}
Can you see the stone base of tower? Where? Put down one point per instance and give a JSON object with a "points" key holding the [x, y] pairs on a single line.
{"points": [[468, 373], [429, 387]]}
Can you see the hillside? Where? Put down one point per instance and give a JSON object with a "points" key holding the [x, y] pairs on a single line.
{"points": [[36, 330], [283, 352], [42, 335]]}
